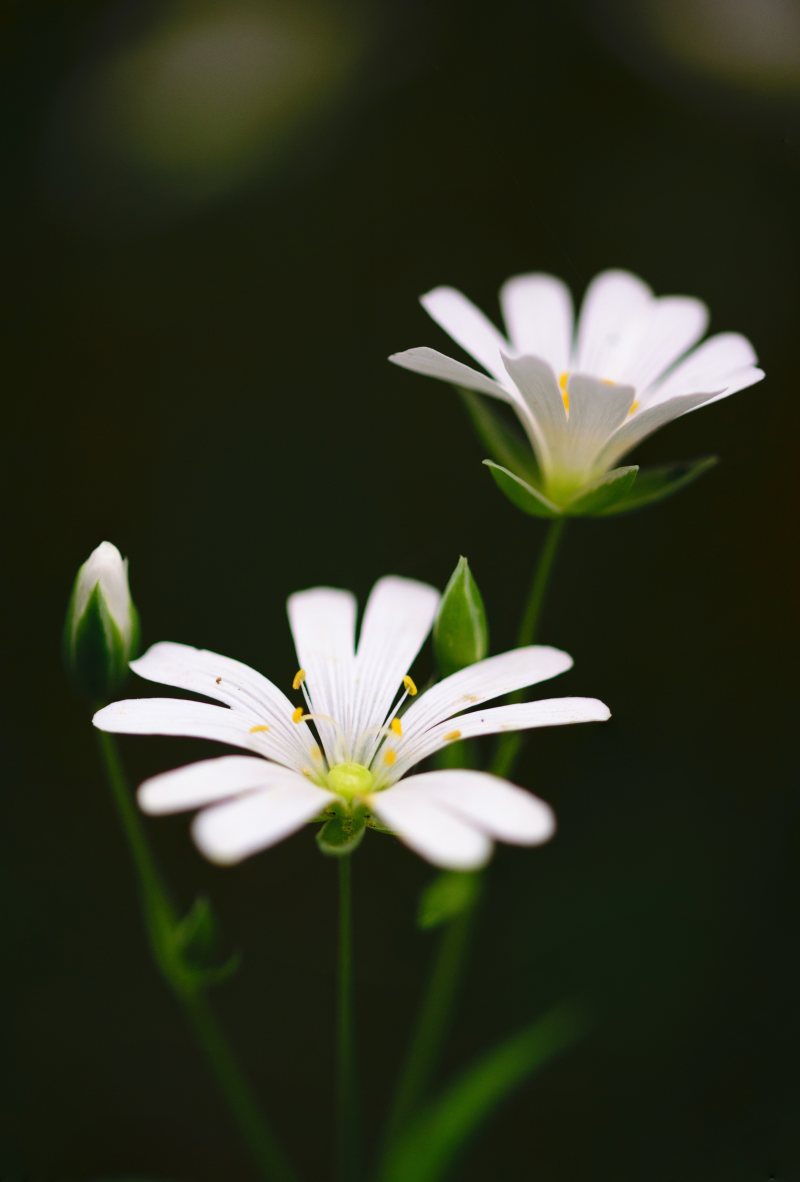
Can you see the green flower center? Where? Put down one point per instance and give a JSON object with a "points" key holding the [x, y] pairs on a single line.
{"points": [[349, 780]]}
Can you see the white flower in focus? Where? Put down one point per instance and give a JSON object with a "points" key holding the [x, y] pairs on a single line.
{"points": [[352, 744], [586, 394]]}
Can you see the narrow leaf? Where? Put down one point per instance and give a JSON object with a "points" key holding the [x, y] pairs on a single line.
{"points": [[506, 445], [450, 894], [522, 494], [460, 632], [655, 484]]}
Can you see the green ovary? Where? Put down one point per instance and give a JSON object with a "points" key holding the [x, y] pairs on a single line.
{"points": [[350, 780]]}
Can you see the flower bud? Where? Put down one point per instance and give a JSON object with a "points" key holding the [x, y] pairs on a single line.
{"points": [[101, 633], [460, 634]]}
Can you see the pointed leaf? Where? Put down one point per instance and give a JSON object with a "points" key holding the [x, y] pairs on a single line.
{"points": [[506, 445], [460, 632], [196, 940], [655, 484], [427, 1149], [522, 494], [451, 894], [602, 494]]}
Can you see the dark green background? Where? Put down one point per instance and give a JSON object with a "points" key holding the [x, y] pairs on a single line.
{"points": [[201, 378]]}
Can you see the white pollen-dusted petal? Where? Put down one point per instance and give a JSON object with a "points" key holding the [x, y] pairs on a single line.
{"points": [[468, 327], [595, 411], [491, 678], [323, 624], [537, 309], [189, 720], [397, 619], [707, 365], [669, 327], [433, 832], [202, 783], [500, 809], [645, 422], [497, 720], [613, 303], [230, 832], [434, 364], [537, 384]]}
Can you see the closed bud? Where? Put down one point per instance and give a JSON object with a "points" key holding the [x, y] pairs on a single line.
{"points": [[460, 634], [101, 633]]}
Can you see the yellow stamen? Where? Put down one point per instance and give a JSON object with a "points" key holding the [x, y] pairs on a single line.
{"points": [[562, 382], [397, 727], [451, 736], [634, 406], [254, 730], [299, 678], [409, 686], [297, 715], [390, 757]]}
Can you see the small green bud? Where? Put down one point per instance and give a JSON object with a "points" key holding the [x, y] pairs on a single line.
{"points": [[101, 633], [460, 634]]}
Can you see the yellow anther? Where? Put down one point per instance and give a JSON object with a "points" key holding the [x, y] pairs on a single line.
{"points": [[297, 715], [634, 406], [254, 730], [608, 382], [451, 736], [409, 686], [562, 382], [397, 726], [298, 679], [390, 757], [316, 753]]}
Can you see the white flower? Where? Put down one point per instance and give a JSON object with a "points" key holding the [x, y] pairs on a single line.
{"points": [[585, 397], [350, 746], [102, 625]]}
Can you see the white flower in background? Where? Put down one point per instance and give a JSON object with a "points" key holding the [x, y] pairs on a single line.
{"points": [[586, 395], [356, 738], [102, 625]]}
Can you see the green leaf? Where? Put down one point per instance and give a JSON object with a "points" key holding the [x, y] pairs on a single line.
{"points": [[655, 484], [451, 894], [427, 1148], [602, 494], [507, 446], [94, 650], [196, 940], [343, 833], [460, 633], [522, 494]]}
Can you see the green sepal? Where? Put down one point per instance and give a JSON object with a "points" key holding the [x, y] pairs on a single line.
{"points": [[506, 445], [460, 633], [655, 484], [196, 941], [451, 894], [94, 650], [343, 833], [601, 495], [521, 494]]}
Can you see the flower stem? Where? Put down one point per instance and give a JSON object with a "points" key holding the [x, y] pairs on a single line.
{"points": [[438, 1003], [347, 1122], [510, 745], [161, 918]]}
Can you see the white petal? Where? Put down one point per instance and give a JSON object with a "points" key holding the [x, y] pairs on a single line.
{"points": [[323, 623], [646, 421], [431, 831], [198, 784], [537, 384], [708, 365], [245, 690], [492, 678], [468, 326], [613, 302], [499, 719], [537, 310], [232, 831], [595, 412], [669, 327], [195, 720], [397, 619], [500, 809], [436, 365], [739, 379]]}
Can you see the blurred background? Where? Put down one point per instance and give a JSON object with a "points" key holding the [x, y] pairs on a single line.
{"points": [[217, 221]]}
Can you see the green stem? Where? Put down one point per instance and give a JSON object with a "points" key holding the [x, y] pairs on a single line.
{"points": [[510, 745], [347, 1123], [433, 1024], [438, 1003], [161, 917]]}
